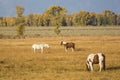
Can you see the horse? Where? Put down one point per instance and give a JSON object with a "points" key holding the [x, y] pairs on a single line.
{"points": [[68, 45], [40, 46], [98, 58]]}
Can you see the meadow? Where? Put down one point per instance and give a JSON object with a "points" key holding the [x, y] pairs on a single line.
{"points": [[10, 32], [17, 61]]}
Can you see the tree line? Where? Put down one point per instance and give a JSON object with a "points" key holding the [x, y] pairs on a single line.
{"points": [[58, 16]]}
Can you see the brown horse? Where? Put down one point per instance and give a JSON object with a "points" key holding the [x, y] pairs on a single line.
{"points": [[68, 45]]}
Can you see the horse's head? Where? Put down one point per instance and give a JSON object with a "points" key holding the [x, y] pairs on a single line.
{"points": [[46, 45], [63, 42]]}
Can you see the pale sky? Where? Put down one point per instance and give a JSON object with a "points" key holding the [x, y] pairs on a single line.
{"points": [[7, 7]]}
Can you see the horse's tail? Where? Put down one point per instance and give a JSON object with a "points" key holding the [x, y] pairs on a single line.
{"points": [[74, 46], [61, 42], [104, 60]]}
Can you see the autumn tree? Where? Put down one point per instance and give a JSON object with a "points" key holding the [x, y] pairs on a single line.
{"points": [[20, 20], [57, 30], [55, 14], [118, 19], [4, 22], [84, 17], [81, 18], [108, 17], [1, 23], [91, 20], [46, 20], [99, 19], [69, 20]]}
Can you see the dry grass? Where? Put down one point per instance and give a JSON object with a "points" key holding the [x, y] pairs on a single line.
{"points": [[18, 63]]}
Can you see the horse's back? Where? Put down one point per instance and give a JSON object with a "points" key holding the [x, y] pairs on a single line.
{"points": [[98, 55], [71, 44], [37, 46], [101, 56]]}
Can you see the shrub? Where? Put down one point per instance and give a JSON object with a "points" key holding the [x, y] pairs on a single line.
{"points": [[57, 30], [20, 29], [1, 36]]}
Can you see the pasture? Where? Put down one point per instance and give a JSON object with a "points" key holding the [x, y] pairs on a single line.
{"points": [[10, 32], [17, 62]]}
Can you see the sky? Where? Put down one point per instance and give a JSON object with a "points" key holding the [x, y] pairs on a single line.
{"points": [[7, 7]]}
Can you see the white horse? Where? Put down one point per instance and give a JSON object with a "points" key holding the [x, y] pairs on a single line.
{"points": [[98, 58], [40, 46]]}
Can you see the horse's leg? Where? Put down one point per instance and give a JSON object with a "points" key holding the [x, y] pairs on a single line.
{"points": [[101, 66], [72, 49], [34, 50], [66, 49], [104, 65], [87, 66], [41, 50], [91, 66]]}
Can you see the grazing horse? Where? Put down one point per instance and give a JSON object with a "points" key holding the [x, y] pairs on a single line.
{"points": [[98, 58], [68, 45], [40, 46]]}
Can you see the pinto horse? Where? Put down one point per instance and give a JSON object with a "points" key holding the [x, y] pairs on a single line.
{"points": [[68, 45], [98, 58], [40, 46]]}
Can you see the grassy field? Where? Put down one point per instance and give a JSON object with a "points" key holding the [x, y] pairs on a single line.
{"points": [[65, 31], [17, 62]]}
